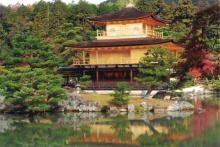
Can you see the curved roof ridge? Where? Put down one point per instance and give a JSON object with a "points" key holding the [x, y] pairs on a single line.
{"points": [[126, 13]]}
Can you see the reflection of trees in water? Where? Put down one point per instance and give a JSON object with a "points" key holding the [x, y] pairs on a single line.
{"points": [[40, 134], [210, 138], [121, 126], [180, 125], [78, 119], [59, 130], [155, 140], [5, 123], [176, 126]]}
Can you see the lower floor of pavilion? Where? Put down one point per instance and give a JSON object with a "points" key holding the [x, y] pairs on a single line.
{"points": [[103, 76]]}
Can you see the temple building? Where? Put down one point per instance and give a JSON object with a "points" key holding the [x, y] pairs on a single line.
{"points": [[114, 56]]}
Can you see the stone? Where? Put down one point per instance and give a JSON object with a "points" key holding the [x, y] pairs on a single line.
{"points": [[176, 98], [195, 91], [180, 106], [131, 108], [146, 106], [152, 94], [182, 114], [160, 94], [2, 98], [2, 106], [76, 103], [114, 110], [159, 110], [167, 97], [123, 110]]}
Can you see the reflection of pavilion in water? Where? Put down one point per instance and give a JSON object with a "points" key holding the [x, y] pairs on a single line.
{"points": [[103, 133]]}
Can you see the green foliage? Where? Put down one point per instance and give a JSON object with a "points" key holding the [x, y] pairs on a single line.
{"points": [[84, 81], [177, 94], [139, 108], [58, 15], [216, 84], [156, 67], [69, 34], [181, 18], [80, 12], [35, 90], [153, 141], [35, 133], [212, 102], [41, 18], [121, 127], [157, 7], [118, 3], [206, 27], [197, 58], [210, 138], [121, 93], [106, 8], [32, 51], [168, 33], [179, 13]]}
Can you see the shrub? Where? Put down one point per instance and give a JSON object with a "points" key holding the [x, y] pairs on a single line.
{"points": [[139, 108], [177, 94], [121, 94], [216, 84], [84, 81], [156, 68], [34, 90]]}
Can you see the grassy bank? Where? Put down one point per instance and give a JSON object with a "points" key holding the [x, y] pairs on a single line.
{"points": [[106, 100]]}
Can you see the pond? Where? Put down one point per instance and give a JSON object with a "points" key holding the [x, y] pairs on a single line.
{"points": [[177, 129]]}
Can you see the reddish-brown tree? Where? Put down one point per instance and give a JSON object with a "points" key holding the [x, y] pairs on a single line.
{"points": [[196, 60]]}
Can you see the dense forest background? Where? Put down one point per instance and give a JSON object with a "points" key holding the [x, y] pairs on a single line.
{"points": [[58, 24]]}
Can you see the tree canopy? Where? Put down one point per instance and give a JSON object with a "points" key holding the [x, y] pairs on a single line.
{"points": [[32, 90], [201, 41], [156, 67]]}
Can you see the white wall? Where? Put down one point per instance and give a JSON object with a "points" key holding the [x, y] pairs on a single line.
{"points": [[117, 30]]}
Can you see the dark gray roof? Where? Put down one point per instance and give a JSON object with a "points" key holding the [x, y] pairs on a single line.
{"points": [[129, 13], [119, 42]]}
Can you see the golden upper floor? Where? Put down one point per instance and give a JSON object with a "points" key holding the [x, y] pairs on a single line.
{"points": [[135, 30], [128, 23]]}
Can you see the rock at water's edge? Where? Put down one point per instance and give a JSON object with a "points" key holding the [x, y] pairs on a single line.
{"points": [[180, 106], [131, 108]]}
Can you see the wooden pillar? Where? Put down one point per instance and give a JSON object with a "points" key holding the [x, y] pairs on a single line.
{"points": [[97, 75], [97, 57], [131, 75], [83, 57]]}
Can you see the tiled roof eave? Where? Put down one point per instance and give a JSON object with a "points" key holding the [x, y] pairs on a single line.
{"points": [[117, 43]]}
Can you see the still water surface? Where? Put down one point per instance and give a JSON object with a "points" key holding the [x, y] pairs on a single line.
{"points": [[125, 130]]}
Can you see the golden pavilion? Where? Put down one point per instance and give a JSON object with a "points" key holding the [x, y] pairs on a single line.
{"points": [[115, 54]]}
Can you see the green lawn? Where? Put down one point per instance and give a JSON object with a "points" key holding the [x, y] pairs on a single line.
{"points": [[106, 100]]}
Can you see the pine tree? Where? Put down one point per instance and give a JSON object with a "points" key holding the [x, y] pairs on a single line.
{"points": [[33, 90], [41, 18], [31, 51], [156, 67], [182, 18], [21, 21], [58, 15]]}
